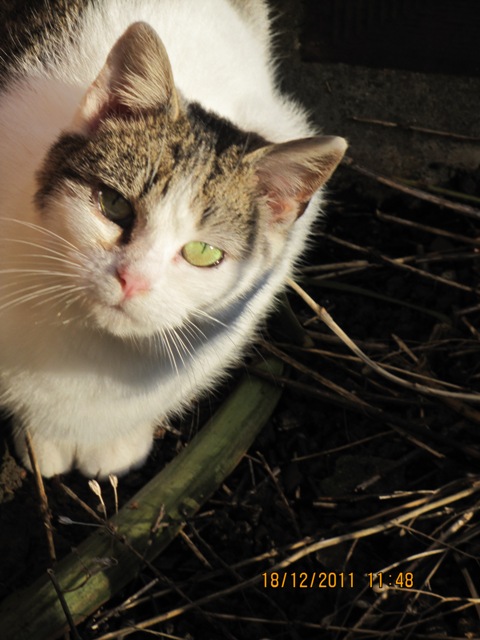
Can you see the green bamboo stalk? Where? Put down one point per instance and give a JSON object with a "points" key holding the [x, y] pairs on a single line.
{"points": [[103, 564]]}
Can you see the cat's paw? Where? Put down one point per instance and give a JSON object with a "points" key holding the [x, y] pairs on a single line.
{"points": [[118, 456], [52, 458]]}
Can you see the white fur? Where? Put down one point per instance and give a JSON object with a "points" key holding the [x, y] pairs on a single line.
{"points": [[91, 393]]}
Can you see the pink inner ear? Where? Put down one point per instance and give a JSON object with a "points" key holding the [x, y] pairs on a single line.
{"points": [[290, 173], [100, 103], [135, 78], [111, 108], [278, 207], [286, 192], [283, 208]]}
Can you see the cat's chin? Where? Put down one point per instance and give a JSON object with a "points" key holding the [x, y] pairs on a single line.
{"points": [[119, 323]]}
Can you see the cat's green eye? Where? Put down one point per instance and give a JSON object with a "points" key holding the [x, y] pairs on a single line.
{"points": [[115, 207], [201, 254]]}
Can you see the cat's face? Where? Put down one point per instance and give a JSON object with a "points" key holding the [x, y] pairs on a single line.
{"points": [[165, 226], [167, 213]]}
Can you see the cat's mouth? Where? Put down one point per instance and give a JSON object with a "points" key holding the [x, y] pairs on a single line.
{"points": [[117, 320], [121, 320]]}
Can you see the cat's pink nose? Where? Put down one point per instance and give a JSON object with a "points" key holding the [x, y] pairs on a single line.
{"points": [[132, 283]]}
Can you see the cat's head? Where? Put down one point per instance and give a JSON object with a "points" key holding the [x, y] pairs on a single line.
{"points": [[168, 212]]}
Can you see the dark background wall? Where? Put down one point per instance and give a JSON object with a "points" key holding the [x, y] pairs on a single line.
{"points": [[411, 65]]}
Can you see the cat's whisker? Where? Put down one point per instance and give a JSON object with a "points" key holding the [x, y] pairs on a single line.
{"points": [[136, 341], [193, 330], [56, 255], [67, 299], [17, 292], [64, 293], [48, 232], [211, 318], [180, 346], [48, 264], [43, 246], [66, 261], [30, 284], [16, 288], [156, 345], [27, 258], [20, 287], [29, 296], [177, 344], [193, 335], [16, 283], [166, 344], [43, 272], [64, 304], [183, 343]]}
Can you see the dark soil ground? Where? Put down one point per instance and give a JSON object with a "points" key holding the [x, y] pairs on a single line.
{"points": [[335, 463]]}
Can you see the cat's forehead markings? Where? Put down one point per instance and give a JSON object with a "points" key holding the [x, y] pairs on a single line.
{"points": [[140, 154], [130, 156], [225, 200], [143, 158]]}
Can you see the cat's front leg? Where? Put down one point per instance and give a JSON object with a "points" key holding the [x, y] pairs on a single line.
{"points": [[116, 456], [52, 457]]}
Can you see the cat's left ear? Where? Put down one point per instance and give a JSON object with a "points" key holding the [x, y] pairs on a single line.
{"points": [[289, 173], [136, 77]]}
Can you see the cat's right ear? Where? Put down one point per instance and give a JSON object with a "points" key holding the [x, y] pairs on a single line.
{"points": [[289, 173], [136, 77]]}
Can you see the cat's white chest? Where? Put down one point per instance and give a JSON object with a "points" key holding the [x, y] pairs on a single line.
{"points": [[86, 408]]}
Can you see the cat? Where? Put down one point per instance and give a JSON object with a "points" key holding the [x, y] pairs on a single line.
{"points": [[157, 189]]}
